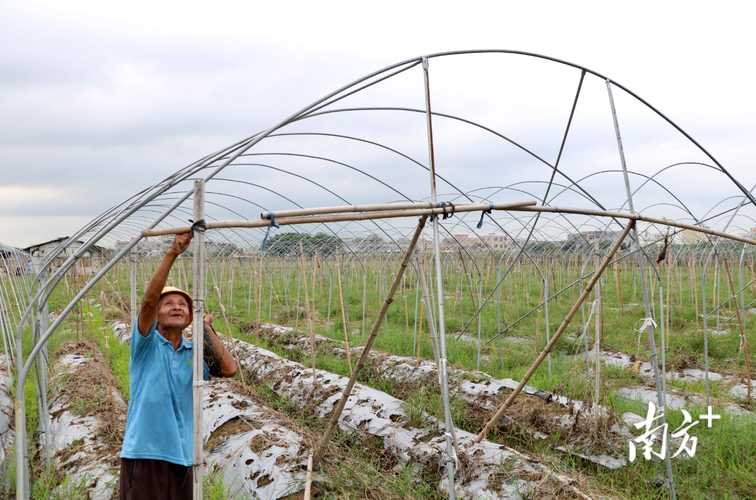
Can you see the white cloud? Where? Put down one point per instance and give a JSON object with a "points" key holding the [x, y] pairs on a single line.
{"points": [[102, 99]]}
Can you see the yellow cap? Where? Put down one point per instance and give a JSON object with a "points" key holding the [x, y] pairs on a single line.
{"points": [[173, 289]]}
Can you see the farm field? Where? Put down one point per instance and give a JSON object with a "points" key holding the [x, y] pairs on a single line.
{"points": [[282, 302]]}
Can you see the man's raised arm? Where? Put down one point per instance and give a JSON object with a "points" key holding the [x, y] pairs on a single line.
{"points": [[149, 308]]}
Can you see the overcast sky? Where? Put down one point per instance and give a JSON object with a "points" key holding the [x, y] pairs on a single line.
{"points": [[101, 99]]}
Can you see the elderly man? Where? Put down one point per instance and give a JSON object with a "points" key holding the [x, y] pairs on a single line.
{"points": [[157, 453]]}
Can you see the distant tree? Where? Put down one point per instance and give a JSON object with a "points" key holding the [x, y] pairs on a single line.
{"points": [[214, 249], [288, 244]]}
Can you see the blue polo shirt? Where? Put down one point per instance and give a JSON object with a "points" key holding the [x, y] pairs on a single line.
{"points": [[160, 420]]}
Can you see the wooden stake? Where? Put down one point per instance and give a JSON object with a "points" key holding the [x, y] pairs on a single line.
{"points": [[538, 318], [695, 287], [366, 350], [742, 332], [420, 333], [670, 270], [308, 483], [343, 312], [200, 336], [550, 345], [105, 337], [307, 308], [259, 297], [91, 329]]}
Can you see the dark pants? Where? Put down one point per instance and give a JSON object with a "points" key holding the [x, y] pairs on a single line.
{"points": [[143, 479]]}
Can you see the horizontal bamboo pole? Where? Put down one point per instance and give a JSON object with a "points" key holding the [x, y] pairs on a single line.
{"points": [[318, 219], [635, 216], [376, 207]]}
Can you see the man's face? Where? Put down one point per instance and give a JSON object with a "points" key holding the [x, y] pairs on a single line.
{"points": [[173, 311]]}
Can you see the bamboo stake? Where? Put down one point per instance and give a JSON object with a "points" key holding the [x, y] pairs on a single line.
{"points": [[670, 271], [597, 332], [105, 337], [695, 289], [404, 294], [68, 300], [197, 336], [550, 345], [434, 342], [619, 288], [91, 329], [314, 279], [429, 312], [308, 483], [469, 280], [742, 332], [366, 350], [538, 318], [307, 308], [420, 332], [259, 298], [343, 313]]}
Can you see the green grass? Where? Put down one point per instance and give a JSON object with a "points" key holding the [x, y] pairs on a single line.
{"points": [[724, 457]]}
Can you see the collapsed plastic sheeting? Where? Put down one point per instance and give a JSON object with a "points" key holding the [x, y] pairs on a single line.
{"points": [[7, 434], [481, 390], [77, 444], [259, 456], [486, 470]]}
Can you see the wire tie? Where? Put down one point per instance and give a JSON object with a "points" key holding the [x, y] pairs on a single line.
{"points": [[450, 215], [483, 214], [197, 226], [272, 217]]}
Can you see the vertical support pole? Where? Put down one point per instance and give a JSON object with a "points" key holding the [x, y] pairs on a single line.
{"points": [[451, 458], [597, 330], [133, 280], [650, 328], [198, 264]]}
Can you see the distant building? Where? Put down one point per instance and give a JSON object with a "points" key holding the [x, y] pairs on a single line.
{"points": [[690, 237], [13, 261], [88, 264], [459, 241], [587, 239], [368, 244], [496, 241]]}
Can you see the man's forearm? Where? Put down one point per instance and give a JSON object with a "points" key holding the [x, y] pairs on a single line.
{"points": [[226, 360], [148, 309]]}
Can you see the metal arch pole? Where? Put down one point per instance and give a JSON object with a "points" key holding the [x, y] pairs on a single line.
{"points": [[644, 286], [198, 379], [43, 320], [451, 458], [705, 324], [22, 481]]}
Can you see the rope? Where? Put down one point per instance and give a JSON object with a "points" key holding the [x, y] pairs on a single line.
{"points": [[444, 213], [646, 323], [483, 214], [272, 224], [198, 226], [448, 216], [453, 455]]}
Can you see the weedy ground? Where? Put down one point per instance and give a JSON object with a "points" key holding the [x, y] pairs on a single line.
{"points": [[725, 456]]}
